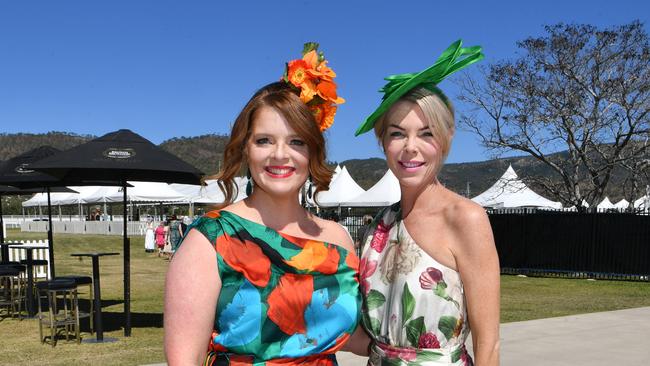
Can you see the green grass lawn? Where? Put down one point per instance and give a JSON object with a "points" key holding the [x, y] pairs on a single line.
{"points": [[522, 299]]}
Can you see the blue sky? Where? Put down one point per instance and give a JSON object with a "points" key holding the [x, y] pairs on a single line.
{"points": [[169, 68]]}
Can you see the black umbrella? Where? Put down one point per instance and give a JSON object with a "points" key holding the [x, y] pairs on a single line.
{"points": [[121, 155], [17, 172], [14, 191]]}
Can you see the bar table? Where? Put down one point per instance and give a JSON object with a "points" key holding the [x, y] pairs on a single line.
{"points": [[99, 331]]}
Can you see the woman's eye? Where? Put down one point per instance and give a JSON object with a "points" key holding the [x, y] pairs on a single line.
{"points": [[395, 134], [262, 141], [297, 142], [427, 134]]}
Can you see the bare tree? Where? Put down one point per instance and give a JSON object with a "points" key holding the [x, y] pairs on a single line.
{"points": [[578, 89]]}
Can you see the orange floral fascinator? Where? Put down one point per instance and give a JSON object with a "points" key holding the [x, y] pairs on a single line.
{"points": [[315, 81]]}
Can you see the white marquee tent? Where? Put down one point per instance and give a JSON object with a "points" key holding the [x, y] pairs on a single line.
{"points": [[509, 191], [606, 204], [622, 204], [383, 193], [642, 203], [342, 189]]}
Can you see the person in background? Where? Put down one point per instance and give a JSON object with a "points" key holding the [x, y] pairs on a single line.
{"points": [[167, 248], [174, 233], [161, 237], [149, 236], [185, 222], [361, 231]]}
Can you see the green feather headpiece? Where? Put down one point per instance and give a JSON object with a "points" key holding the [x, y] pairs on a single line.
{"points": [[453, 59]]}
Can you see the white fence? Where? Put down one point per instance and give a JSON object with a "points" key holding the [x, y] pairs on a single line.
{"points": [[86, 227], [17, 255]]}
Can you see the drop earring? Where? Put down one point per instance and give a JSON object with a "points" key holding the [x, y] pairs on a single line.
{"points": [[249, 185], [310, 192]]}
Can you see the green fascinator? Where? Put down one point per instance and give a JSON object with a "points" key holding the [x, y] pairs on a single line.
{"points": [[453, 59]]}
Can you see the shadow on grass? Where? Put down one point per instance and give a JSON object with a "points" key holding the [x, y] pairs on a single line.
{"points": [[114, 320]]}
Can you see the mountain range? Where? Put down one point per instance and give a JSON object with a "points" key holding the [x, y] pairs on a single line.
{"points": [[205, 153]]}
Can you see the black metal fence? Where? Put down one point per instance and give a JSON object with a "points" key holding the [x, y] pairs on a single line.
{"points": [[605, 245], [574, 245]]}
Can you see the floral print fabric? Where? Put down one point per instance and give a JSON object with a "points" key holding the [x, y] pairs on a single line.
{"points": [[284, 300], [414, 307]]}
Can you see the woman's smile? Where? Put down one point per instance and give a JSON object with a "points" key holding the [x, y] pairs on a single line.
{"points": [[279, 171]]}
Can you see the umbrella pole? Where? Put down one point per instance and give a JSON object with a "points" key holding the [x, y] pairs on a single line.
{"points": [[127, 272], [2, 227], [50, 237], [5, 250]]}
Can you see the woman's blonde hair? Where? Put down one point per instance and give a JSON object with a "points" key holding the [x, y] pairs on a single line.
{"points": [[439, 115], [287, 103]]}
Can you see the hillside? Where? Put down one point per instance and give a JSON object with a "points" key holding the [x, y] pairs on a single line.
{"points": [[205, 152]]}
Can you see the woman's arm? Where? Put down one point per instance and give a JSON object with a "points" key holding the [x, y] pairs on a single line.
{"points": [[478, 264], [191, 291]]}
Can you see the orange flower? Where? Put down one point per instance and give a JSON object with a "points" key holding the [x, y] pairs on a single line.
{"points": [[288, 301], [314, 78], [297, 72], [246, 258], [317, 111], [327, 91], [311, 59], [322, 71], [329, 111], [307, 91]]}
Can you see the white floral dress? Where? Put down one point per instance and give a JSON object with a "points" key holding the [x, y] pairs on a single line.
{"points": [[414, 306]]}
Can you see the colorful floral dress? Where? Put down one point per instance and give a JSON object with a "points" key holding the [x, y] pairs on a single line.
{"points": [[284, 300], [414, 306]]}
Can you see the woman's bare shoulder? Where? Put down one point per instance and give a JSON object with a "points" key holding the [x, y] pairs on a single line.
{"points": [[334, 233], [460, 211]]}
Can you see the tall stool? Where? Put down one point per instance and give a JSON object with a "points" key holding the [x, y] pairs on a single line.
{"points": [[37, 263], [12, 291], [81, 281], [61, 315]]}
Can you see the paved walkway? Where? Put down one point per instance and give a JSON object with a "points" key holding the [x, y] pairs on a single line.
{"points": [[599, 339], [609, 338]]}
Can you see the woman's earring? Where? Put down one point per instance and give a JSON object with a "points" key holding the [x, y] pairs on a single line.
{"points": [[249, 185], [310, 192]]}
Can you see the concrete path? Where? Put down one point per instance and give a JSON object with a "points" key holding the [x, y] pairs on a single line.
{"points": [[608, 338], [599, 339]]}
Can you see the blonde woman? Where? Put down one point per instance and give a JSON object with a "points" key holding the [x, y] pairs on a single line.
{"points": [[429, 267]]}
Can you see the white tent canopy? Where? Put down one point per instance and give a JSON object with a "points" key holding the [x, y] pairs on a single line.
{"points": [[342, 188], [383, 193], [605, 204], [210, 193], [337, 170], [622, 204], [509, 191], [139, 192], [642, 203]]}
